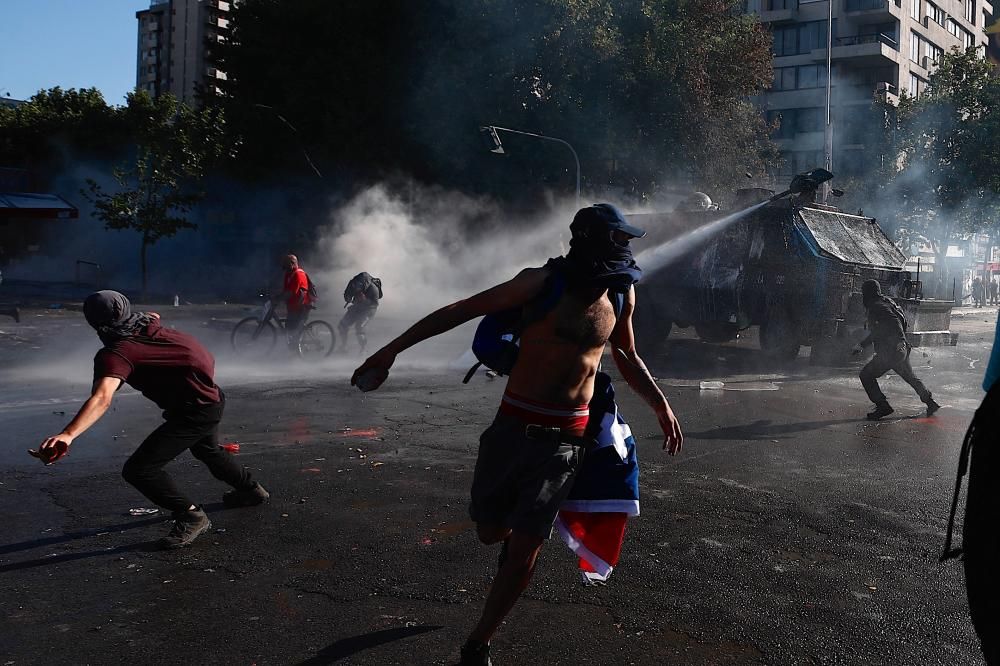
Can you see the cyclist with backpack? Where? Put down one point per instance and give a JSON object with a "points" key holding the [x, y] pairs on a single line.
{"points": [[361, 299], [887, 332], [301, 297], [529, 457]]}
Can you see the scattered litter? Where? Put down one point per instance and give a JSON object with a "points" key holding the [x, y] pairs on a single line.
{"points": [[169, 580], [142, 511], [220, 530], [491, 374], [345, 429], [302, 500], [377, 464], [131, 566], [319, 459], [711, 386], [209, 570], [284, 515], [312, 470], [232, 447]]}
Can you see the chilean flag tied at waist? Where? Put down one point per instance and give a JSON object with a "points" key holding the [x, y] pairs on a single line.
{"points": [[605, 492]]}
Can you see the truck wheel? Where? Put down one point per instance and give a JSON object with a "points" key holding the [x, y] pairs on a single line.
{"points": [[714, 331], [651, 332], [779, 337]]}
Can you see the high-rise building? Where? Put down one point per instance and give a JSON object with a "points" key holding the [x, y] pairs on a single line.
{"points": [[176, 41], [879, 47]]}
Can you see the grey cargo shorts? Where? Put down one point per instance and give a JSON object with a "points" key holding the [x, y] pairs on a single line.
{"points": [[520, 483]]}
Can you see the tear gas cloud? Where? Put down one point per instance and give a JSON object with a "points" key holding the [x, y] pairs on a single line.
{"points": [[430, 247]]}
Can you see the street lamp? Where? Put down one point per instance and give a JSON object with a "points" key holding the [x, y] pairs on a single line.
{"points": [[493, 139]]}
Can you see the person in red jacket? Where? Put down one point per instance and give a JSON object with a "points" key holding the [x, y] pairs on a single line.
{"points": [[298, 300], [177, 373]]}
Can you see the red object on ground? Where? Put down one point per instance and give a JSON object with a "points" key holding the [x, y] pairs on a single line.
{"points": [[232, 447], [371, 432]]}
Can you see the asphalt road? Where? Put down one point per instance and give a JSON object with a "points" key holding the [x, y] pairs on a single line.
{"points": [[789, 531]]}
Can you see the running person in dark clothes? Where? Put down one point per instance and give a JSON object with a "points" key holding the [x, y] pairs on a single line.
{"points": [[361, 297], [892, 352], [520, 481], [174, 371]]}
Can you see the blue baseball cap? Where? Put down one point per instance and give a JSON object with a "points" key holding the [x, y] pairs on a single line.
{"points": [[603, 216]]}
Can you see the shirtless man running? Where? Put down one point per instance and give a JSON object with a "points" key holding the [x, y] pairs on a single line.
{"points": [[520, 482]]}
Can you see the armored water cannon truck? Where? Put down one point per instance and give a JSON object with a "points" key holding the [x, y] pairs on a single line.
{"points": [[792, 267]]}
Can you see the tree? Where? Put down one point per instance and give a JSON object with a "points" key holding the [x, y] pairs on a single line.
{"points": [[948, 185], [159, 184], [55, 127], [646, 90]]}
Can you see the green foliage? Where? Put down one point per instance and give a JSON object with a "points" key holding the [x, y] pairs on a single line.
{"points": [[56, 126], [158, 186], [645, 90]]}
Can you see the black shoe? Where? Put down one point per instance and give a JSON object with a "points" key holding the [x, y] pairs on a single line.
{"points": [[932, 407], [252, 496], [188, 526], [475, 653], [881, 409]]}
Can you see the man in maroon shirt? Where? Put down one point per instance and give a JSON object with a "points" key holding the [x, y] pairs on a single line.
{"points": [[173, 370]]}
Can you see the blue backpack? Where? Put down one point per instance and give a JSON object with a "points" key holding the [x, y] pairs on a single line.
{"points": [[497, 340]]}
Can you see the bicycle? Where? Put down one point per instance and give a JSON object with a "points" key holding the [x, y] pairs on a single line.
{"points": [[258, 334]]}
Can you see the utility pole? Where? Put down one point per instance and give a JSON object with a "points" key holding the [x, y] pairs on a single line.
{"points": [[828, 126]]}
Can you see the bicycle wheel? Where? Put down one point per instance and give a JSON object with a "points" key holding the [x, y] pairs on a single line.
{"points": [[317, 340], [249, 337]]}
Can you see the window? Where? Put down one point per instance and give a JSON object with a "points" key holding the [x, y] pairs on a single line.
{"points": [[935, 13], [970, 11], [954, 29], [800, 39], [917, 86], [968, 39], [915, 47], [915, 9], [934, 52]]}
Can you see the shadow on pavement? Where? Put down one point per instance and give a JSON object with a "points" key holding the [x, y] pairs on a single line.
{"points": [[347, 647], [763, 429], [145, 546], [66, 537]]}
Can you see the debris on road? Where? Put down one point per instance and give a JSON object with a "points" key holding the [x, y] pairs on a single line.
{"points": [[232, 447], [142, 511]]}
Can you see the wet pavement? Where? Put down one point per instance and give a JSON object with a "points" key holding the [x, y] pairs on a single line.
{"points": [[789, 531]]}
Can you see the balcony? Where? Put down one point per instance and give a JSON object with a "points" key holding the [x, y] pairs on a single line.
{"points": [[872, 11], [865, 50]]}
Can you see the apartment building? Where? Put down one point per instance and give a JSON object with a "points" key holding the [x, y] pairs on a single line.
{"points": [[879, 46], [175, 49]]}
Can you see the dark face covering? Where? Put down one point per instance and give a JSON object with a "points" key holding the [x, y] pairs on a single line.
{"points": [[597, 261], [110, 313]]}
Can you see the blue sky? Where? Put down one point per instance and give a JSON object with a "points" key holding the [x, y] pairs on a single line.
{"points": [[68, 43]]}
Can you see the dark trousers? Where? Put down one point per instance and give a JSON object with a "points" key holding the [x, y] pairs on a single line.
{"points": [[195, 428], [981, 543], [294, 322], [357, 316], [896, 359]]}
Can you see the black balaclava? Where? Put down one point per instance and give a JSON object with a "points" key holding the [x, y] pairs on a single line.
{"points": [[110, 313], [871, 291], [594, 260]]}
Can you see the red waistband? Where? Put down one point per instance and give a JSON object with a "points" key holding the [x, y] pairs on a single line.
{"points": [[572, 420]]}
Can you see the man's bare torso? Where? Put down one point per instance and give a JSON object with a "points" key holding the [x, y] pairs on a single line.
{"points": [[560, 354]]}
